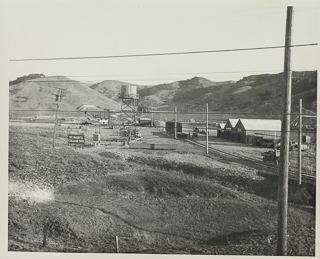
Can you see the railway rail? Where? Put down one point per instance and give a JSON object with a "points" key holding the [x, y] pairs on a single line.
{"points": [[269, 169]]}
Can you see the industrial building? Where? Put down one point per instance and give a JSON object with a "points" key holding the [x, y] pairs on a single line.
{"points": [[220, 130], [256, 131], [259, 132], [228, 128]]}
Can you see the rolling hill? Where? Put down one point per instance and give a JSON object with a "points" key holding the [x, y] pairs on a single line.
{"points": [[111, 88], [174, 92], [37, 94], [156, 95], [259, 94]]}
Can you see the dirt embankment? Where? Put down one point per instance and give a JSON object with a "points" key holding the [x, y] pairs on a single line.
{"points": [[179, 202]]}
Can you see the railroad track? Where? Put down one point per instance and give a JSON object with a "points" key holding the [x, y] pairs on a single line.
{"points": [[270, 169]]}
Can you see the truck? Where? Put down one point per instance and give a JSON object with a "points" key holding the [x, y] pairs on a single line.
{"points": [[271, 156]]}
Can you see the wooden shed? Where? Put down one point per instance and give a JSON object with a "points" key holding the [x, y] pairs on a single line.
{"points": [[229, 129], [220, 130], [247, 130]]}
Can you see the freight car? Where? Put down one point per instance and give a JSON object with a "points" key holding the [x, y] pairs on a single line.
{"points": [[144, 121], [170, 125]]}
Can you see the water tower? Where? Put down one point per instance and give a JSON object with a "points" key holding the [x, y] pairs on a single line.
{"points": [[128, 95]]}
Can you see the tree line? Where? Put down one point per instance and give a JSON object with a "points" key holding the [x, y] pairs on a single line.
{"points": [[25, 78]]}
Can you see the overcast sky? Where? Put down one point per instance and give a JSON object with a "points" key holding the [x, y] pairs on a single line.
{"points": [[77, 28]]}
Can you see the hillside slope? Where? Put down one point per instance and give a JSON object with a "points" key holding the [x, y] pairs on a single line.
{"points": [[175, 92], [261, 93], [258, 93], [111, 88], [37, 94]]}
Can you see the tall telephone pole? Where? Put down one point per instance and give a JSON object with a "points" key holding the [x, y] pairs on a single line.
{"points": [[175, 122], [299, 142], [285, 137], [59, 97], [207, 129]]}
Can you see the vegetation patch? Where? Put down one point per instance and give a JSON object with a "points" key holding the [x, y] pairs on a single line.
{"points": [[154, 202]]}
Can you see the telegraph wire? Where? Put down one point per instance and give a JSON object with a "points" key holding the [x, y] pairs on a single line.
{"points": [[309, 111], [161, 54]]}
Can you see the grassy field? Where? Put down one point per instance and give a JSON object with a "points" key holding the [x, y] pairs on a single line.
{"points": [[156, 201]]}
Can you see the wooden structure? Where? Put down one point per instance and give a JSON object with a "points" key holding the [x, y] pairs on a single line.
{"points": [[221, 130], [228, 128], [249, 130]]}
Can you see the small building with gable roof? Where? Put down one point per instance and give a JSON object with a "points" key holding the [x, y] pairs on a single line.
{"points": [[250, 130], [228, 128], [220, 130]]}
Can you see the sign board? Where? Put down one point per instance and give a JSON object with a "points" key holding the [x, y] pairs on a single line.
{"points": [[75, 138]]}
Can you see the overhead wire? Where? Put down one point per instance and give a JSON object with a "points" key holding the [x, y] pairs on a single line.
{"points": [[309, 111], [162, 54]]}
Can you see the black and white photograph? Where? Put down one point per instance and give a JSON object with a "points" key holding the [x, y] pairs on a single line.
{"points": [[171, 129]]}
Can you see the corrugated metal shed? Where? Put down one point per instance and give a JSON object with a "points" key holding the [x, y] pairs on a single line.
{"points": [[260, 124]]}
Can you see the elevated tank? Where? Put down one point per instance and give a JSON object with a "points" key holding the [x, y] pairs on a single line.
{"points": [[128, 92]]}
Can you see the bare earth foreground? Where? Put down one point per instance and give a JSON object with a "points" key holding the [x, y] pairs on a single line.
{"points": [[156, 201]]}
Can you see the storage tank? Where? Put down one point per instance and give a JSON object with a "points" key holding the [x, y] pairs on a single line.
{"points": [[128, 92]]}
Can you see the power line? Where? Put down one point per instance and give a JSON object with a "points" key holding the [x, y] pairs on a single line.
{"points": [[308, 110], [161, 54]]}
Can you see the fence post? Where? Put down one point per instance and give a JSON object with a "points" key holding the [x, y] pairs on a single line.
{"points": [[117, 244], [45, 228]]}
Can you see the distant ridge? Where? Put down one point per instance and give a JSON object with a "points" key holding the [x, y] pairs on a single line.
{"points": [[260, 94], [37, 94]]}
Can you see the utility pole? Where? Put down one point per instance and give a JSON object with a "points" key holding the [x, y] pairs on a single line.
{"points": [[135, 117], [175, 122], [59, 97], [299, 142], [152, 119], [284, 149], [207, 129]]}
